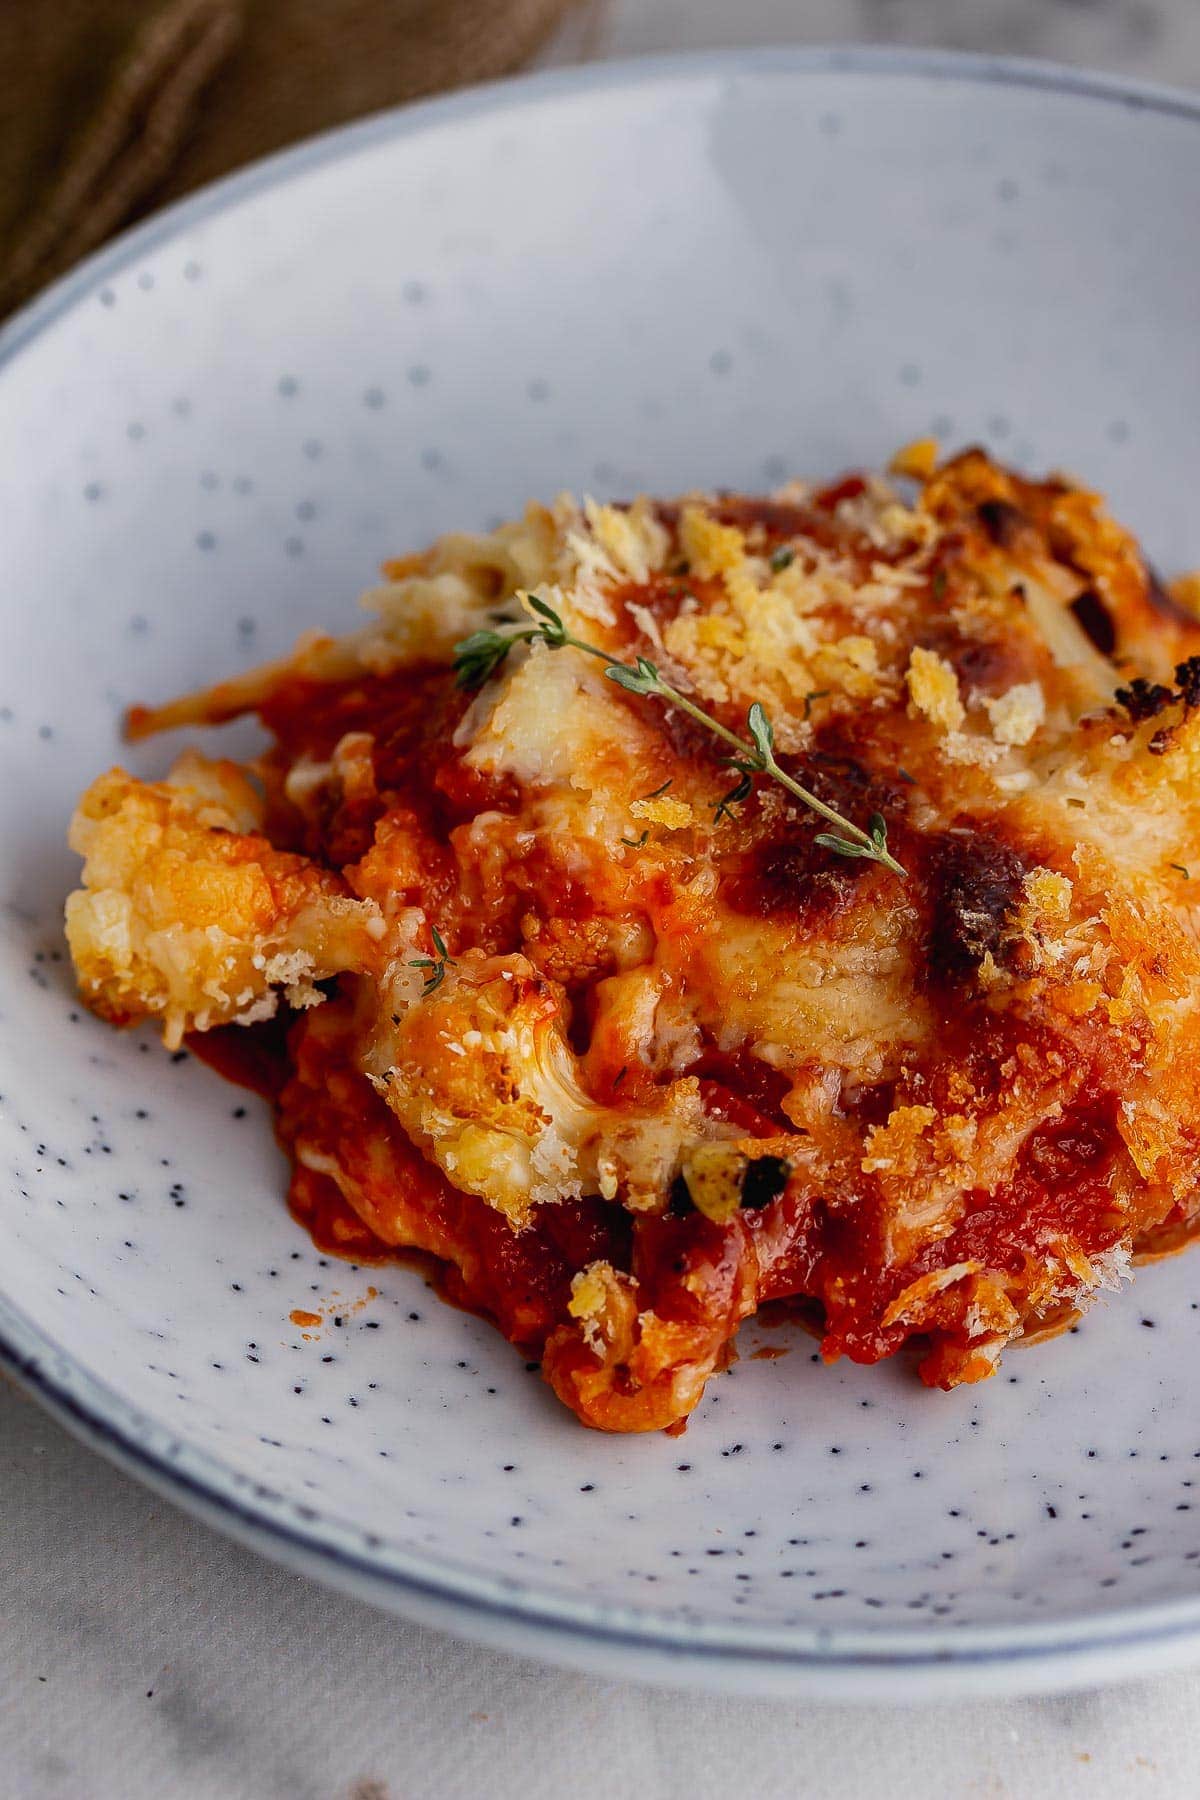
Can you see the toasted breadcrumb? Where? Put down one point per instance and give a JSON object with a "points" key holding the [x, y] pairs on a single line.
{"points": [[622, 1032]]}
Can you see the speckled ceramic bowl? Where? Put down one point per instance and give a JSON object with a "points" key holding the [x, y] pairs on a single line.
{"points": [[711, 272]]}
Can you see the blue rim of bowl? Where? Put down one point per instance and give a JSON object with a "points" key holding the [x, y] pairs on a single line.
{"points": [[922, 1661]]}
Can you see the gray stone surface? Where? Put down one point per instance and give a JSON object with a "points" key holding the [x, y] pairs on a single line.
{"points": [[144, 1658]]}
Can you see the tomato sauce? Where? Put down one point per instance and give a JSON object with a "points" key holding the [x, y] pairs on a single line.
{"points": [[824, 1256], [249, 1056]]}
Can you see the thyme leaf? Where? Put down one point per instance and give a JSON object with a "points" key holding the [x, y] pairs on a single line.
{"points": [[476, 658], [738, 792], [435, 965]]}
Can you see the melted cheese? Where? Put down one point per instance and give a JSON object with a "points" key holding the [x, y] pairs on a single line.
{"points": [[978, 1081]]}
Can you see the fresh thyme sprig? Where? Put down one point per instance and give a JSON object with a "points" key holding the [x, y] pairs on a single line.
{"points": [[477, 658], [435, 965]]}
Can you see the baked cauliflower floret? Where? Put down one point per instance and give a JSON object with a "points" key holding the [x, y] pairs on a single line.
{"points": [[481, 1074], [625, 1034], [189, 914]]}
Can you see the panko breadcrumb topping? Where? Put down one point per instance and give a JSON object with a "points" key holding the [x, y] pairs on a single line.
{"points": [[681, 905]]}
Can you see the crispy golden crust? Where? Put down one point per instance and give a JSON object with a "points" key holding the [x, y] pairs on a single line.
{"points": [[189, 913], [945, 1107]]}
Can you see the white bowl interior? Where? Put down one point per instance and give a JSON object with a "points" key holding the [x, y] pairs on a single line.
{"points": [[209, 444]]}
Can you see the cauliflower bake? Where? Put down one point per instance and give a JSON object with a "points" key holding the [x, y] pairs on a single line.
{"points": [[656, 910]]}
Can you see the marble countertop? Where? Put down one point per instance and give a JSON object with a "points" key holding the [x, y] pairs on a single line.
{"points": [[141, 1656], [144, 1658]]}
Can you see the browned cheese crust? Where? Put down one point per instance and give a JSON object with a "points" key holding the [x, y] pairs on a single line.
{"points": [[664, 1061]]}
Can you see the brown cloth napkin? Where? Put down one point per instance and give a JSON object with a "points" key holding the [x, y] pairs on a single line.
{"points": [[109, 107]]}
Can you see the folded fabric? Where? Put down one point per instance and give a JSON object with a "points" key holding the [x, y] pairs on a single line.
{"points": [[113, 106]]}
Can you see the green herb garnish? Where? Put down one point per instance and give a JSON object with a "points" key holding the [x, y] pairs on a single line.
{"points": [[740, 790], [477, 658], [877, 850], [435, 965]]}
